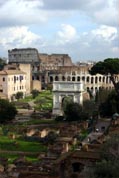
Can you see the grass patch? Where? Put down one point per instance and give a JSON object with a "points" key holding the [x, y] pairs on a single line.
{"points": [[8, 144], [44, 101], [12, 157], [26, 99]]}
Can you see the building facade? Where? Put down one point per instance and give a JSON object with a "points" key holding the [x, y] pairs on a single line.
{"points": [[27, 60], [81, 74], [43, 69], [23, 55], [11, 82]]}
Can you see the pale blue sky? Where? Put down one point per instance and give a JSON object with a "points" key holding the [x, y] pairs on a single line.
{"points": [[84, 29]]}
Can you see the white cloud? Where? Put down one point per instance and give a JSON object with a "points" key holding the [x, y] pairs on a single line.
{"points": [[96, 44], [66, 34], [105, 32], [20, 12], [89, 27], [101, 11], [16, 12], [17, 37]]}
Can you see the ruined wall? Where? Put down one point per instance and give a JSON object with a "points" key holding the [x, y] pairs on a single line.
{"points": [[23, 55]]}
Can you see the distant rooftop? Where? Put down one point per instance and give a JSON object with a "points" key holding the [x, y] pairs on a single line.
{"points": [[20, 49]]}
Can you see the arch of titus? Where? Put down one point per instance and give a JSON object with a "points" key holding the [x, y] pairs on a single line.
{"points": [[63, 89]]}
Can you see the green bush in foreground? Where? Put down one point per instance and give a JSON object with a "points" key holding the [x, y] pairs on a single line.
{"points": [[7, 111]]}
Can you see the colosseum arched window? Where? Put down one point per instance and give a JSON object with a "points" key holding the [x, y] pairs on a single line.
{"points": [[100, 79], [51, 79], [56, 78], [78, 79], [73, 78], [96, 79], [91, 79], [103, 79], [63, 78], [88, 79]]}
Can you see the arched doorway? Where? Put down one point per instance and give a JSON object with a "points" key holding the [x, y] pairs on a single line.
{"points": [[65, 101]]}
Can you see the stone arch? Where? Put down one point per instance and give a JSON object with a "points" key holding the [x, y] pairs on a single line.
{"points": [[51, 79], [103, 79], [78, 78], [62, 89], [63, 78], [100, 79], [96, 79], [88, 79], [83, 78], [56, 78], [92, 79], [73, 78]]}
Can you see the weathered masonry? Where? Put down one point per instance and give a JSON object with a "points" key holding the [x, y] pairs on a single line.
{"points": [[63, 89]]}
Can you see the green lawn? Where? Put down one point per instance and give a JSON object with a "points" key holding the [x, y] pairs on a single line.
{"points": [[12, 157], [43, 101], [8, 144]]}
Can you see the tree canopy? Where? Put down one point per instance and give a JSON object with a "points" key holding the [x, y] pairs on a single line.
{"points": [[110, 105], [35, 93], [108, 166], [19, 95], [74, 112], [2, 63], [7, 111], [110, 67]]}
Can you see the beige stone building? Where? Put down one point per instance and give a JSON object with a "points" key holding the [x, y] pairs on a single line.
{"points": [[27, 60], [43, 69], [81, 74], [53, 61], [37, 65], [11, 82]]}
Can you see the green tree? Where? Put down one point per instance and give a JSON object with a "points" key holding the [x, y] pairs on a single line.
{"points": [[7, 111], [74, 112], [89, 107], [2, 63], [19, 95], [102, 95], [109, 165], [66, 100], [110, 106], [110, 67], [35, 93]]}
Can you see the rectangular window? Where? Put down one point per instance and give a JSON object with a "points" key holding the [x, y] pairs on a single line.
{"points": [[3, 79]]}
